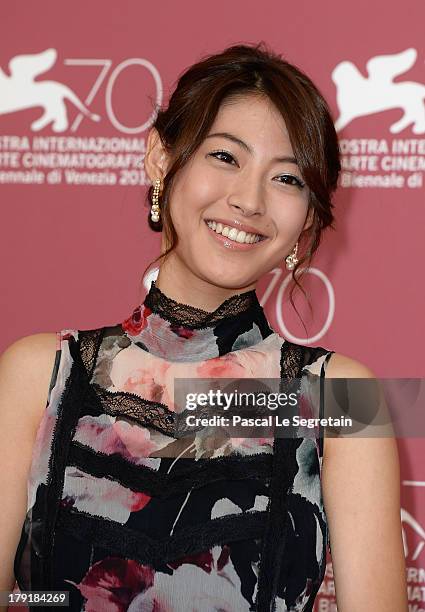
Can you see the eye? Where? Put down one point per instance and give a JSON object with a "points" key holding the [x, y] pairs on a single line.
{"points": [[290, 179], [225, 154]]}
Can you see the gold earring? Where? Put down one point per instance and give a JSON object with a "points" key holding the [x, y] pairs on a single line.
{"points": [[292, 260], [155, 213]]}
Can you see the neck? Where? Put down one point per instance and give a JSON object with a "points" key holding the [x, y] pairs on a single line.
{"points": [[182, 285]]}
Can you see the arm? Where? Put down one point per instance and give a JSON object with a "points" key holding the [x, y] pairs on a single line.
{"points": [[25, 371], [361, 491]]}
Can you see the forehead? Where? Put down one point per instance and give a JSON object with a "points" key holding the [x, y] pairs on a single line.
{"points": [[253, 118]]}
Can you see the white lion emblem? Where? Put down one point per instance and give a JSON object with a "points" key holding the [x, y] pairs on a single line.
{"points": [[19, 91], [358, 96]]}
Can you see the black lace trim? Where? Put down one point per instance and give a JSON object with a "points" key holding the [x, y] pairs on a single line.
{"points": [[147, 413], [197, 318], [132, 406], [121, 540], [162, 485], [89, 342]]}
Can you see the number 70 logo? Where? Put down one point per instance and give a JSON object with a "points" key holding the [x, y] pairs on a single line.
{"points": [[111, 77]]}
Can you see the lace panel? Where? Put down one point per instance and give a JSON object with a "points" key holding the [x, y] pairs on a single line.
{"points": [[132, 406], [197, 318], [151, 414], [89, 342]]}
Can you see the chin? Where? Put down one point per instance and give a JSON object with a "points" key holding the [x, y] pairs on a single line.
{"points": [[228, 281]]}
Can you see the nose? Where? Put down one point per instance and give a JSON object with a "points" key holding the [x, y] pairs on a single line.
{"points": [[247, 197]]}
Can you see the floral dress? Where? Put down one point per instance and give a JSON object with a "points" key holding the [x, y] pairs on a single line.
{"points": [[126, 515]]}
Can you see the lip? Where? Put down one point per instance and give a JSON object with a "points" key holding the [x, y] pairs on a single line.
{"points": [[231, 244], [249, 229]]}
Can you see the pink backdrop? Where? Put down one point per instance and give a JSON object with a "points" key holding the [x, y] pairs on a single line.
{"points": [[73, 253]]}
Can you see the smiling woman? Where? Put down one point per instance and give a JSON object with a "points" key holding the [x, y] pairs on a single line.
{"points": [[107, 495], [283, 155], [257, 172]]}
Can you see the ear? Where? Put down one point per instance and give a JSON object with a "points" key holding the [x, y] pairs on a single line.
{"points": [[156, 158]]}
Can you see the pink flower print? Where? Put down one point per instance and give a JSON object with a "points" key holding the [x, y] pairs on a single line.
{"points": [[137, 321], [101, 496], [138, 501], [137, 440], [191, 589], [225, 366], [110, 435], [143, 374], [250, 445], [111, 584], [204, 560], [182, 332], [144, 382]]}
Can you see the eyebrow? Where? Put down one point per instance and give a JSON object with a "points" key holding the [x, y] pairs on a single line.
{"points": [[247, 148]]}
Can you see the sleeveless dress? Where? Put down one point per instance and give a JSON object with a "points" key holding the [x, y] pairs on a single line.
{"points": [[128, 517]]}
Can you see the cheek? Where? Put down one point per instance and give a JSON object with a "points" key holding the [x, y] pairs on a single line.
{"points": [[195, 191], [290, 215], [203, 187]]}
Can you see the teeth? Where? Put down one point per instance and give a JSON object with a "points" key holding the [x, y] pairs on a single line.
{"points": [[233, 233]]}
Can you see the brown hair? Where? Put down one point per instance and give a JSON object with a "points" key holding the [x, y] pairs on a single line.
{"points": [[252, 69]]}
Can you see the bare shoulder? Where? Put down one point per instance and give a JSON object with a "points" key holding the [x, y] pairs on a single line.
{"points": [[342, 366], [26, 368], [28, 344]]}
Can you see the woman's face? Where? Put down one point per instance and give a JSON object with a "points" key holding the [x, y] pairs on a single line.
{"points": [[245, 177]]}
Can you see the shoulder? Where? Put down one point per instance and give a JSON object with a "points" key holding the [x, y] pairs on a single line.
{"points": [[25, 371], [375, 447], [342, 366], [30, 353]]}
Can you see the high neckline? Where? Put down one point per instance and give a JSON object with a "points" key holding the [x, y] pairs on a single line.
{"points": [[192, 317], [180, 332]]}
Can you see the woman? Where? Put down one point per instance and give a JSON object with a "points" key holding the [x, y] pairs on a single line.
{"points": [[122, 512]]}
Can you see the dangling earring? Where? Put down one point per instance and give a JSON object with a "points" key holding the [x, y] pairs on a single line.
{"points": [[292, 260], [155, 213]]}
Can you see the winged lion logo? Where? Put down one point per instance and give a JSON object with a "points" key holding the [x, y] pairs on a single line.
{"points": [[358, 95], [20, 91]]}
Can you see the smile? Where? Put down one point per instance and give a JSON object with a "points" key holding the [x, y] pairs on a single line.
{"points": [[233, 234]]}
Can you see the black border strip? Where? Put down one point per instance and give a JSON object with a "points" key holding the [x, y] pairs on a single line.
{"points": [[161, 485], [68, 413], [284, 469], [121, 540], [322, 400]]}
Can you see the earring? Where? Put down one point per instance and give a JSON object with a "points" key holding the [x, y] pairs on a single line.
{"points": [[155, 213], [292, 260]]}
